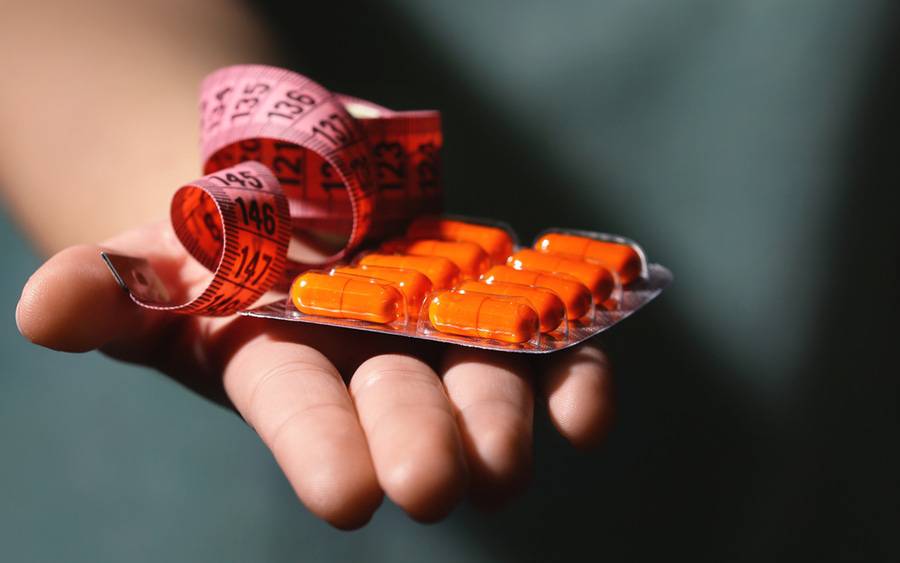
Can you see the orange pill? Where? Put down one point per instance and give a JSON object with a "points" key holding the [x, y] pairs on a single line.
{"points": [[414, 285], [549, 308], [621, 259], [440, 271], [468, 256], [483, 316], [595, 277], [573, 293], [347, 297], [493, 240]]}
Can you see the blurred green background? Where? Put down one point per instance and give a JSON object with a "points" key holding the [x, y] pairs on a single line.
{"points": [[750, 145]]}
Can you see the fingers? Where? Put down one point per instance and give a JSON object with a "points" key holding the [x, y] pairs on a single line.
{"points": [[493, 400], [298, 403], [577, 386], [73, 304], [412, 434]]}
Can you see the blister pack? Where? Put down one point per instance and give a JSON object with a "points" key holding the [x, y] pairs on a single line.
{"points": [[466, 281]]}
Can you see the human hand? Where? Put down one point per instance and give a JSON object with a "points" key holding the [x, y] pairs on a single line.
{"points": [[349, 416]]}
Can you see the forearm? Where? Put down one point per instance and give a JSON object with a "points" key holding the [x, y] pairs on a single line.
{"points": [[98, 106]]}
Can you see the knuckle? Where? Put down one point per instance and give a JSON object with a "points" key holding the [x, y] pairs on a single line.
{"points": [[272, 375], [277, 433], [389, 368]]}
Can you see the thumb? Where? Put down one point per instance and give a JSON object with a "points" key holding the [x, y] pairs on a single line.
{"points": [[73, 304]]}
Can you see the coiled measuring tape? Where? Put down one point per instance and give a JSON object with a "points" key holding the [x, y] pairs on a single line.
{"points": [[283, 155]]}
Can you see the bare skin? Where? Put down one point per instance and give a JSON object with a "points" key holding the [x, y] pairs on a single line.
{"points": [[349, 417]]}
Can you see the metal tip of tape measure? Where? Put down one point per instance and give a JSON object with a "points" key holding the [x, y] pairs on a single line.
{"points": [[136, 277]]}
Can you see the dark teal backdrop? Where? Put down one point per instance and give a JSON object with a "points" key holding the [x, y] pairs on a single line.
{"points": [[751, 145]]}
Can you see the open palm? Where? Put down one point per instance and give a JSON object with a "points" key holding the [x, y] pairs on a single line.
{"points": [[349, 416]]}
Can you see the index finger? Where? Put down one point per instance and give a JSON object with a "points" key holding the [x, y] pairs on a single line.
{"points": [[297, 402]]}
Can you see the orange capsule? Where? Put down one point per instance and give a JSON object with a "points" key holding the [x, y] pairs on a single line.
{"points": [[550, 309], [595, 277], [493, 240], [441, 272], [347, 297], [483, 316], [412, 284], [468, 256], [621, 259], [573, 293]]}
